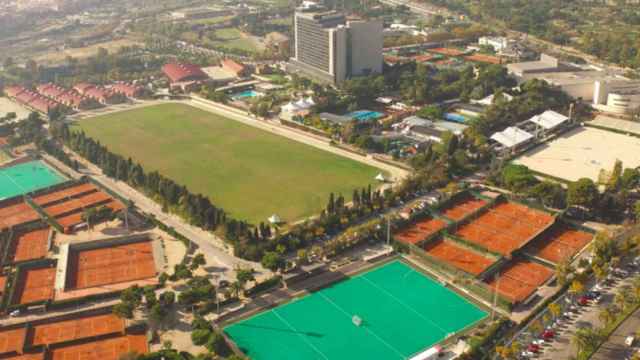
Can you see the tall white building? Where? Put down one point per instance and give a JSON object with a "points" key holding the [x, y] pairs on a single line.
{"points": [[330, 49]]}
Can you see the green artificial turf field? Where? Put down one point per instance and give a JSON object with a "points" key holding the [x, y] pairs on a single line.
{"points": [[27, 177], [403, 312], [249, 172]]}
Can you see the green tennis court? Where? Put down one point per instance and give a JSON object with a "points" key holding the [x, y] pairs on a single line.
{"points": [[23, 178], [403, 312]]}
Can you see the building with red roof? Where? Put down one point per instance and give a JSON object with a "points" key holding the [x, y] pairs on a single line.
{"points": [[13, 91], [82, 88], [51, 90], [42, 104], [26, 97], [234, 67], [183, 72], [99, 94], [128, 90]]}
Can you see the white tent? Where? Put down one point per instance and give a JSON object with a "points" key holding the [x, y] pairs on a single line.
{"points": [[275, 219], [511, 137], [290, 107], [549, 119], [380, 177], [309, 102], [489, 99]]}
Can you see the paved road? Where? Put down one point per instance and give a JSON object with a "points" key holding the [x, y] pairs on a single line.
{"points": [[615, 348], [219, 258]]}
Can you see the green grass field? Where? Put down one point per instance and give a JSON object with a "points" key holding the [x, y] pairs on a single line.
{"points": [[251, 173], [403, 312]]}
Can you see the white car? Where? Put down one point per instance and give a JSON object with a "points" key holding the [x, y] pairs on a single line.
{"points": [[629, 340], [15, 313]]}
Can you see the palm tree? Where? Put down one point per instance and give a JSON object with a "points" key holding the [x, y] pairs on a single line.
{"points": [[607, 315], [554, 309], [585, 339], [236, 287]]}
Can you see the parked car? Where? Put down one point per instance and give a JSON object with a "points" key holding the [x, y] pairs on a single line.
{"points": [[629, 340], [547, 334], [593, 294], [583, 300], [534, 348]]}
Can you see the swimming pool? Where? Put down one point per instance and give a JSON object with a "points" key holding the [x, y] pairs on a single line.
{"points": [[245, 94], [455, 118], [365, 115]]}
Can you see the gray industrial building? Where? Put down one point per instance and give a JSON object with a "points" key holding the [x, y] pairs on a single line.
{"points": [[329, 48]]}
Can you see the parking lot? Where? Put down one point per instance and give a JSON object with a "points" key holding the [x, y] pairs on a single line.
{"points": [[555, 340]]}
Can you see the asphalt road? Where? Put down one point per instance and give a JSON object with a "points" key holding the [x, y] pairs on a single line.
{"points": [[615, 348]]}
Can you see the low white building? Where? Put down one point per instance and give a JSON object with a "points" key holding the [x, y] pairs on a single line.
{"points": [[512, 137], [616, 96], [498, 43], [293, 109], [549, 120]]}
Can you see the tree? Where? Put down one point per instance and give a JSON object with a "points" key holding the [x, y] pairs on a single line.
{"points": [[518, 178], [607, 315], [217, 344], [431, 112], [583, 192], [244, 275], [636, 210], [586, 339], [554, 309], [123, 310], [197, 261], [200, 336], [272, 261], [576, 287]]}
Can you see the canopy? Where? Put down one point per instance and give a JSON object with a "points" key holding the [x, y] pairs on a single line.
{"points": [[549, 119], [511, 137]]}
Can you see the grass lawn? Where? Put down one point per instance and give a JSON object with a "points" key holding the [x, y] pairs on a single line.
{"points": [[249, 172]]}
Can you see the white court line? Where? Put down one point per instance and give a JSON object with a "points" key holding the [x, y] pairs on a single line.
{"points": [[298, 333], [364, 327], [404, 304]]}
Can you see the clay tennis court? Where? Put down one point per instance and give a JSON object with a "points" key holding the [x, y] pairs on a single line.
{"points": [[3, 284], [458, 256], [462, 207], [47, 199], [106, 349], [15, 214], [12, 340], [74, 329], [562, 242], [505, 227], [487, 59], [34, 356], [29, 245], [67, 205], [520, 279], [420, 230], [110, 265], [446, 51], [34, 285]]}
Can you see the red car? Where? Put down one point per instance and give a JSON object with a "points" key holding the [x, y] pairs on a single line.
{"points": [[548, 334], [533, 348], [583, 301]]}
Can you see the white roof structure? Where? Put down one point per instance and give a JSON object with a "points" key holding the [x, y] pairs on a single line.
{"points": [[416, 121], [489, 99], [380, 177], [275, 219], [549, 119], [511, 137]]}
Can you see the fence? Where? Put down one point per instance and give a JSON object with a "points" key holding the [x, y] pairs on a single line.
{"points": [[467, 281]]}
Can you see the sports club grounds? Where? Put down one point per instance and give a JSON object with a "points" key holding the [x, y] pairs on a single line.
{"points": [[88, 335], [390, 312], [496, 245]]}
